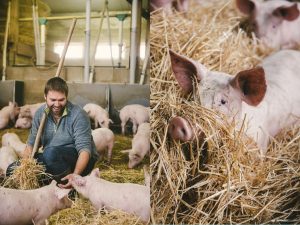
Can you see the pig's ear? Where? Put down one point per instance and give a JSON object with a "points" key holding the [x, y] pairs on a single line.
{"points": [[287, 13], [60, 193], [251, 84], [245, 6], [111, 121], [95, 172], [184, 69]]}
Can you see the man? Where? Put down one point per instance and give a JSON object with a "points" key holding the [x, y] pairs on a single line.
{"points": [[67, 142]]}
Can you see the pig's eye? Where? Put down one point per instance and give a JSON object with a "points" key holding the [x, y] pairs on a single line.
{"points": [[273, 26], [102, 122], [223, 102]]}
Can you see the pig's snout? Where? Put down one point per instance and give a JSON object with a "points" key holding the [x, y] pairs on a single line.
{"points": [[180, 129]]}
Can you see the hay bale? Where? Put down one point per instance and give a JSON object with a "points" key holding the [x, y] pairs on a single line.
{"points": [[234, 185], [26, 176]]}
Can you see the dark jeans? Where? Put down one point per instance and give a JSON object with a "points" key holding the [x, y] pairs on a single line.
{"points": [[59, 162]]}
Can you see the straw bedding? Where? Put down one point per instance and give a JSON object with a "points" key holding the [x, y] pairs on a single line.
{"points": [[220, 179]]}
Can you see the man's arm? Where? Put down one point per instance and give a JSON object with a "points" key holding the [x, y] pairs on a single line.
{"points": [[27, 151], [82, 161], [81, 164]]}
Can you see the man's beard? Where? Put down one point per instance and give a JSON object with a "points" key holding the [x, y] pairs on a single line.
{"points": [[57, 111]]}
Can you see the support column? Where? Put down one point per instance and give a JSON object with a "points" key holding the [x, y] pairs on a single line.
{"points": [[135, 39], [87, 41], [43, 23], [121, 19]]}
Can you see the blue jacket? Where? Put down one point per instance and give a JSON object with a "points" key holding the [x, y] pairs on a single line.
{"points": [[73, 130]]}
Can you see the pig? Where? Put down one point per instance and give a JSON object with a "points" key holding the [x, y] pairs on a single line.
{"points": [[98, 114], [275, 22], [180, 5], [7, 157], [266, 96], [140, 145], [136, 113], [13, 140], [8, 113], [128, 197], [29, 110], [104, 140], [25, 207], [23, 122]]}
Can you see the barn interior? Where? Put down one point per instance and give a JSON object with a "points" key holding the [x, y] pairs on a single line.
{"points": [[106, 58]]}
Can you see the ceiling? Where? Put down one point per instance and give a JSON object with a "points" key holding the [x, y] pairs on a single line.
{"points": [[76, 6]]}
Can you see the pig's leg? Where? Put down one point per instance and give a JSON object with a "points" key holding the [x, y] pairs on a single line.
{"points": [[96, 123], [134, 126], [109, 152], [123, 123]]}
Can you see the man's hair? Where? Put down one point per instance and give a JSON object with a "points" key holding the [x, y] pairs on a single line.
{"points": [[56, 84]]}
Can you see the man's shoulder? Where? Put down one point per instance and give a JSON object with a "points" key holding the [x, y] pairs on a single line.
{"points": [[75, 109]]}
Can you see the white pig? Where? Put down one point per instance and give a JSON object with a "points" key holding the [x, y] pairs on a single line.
{"points": [[137, 114], [268, 95], [29, 110], [8, 113], [180, 5], [24, 122], [13, 140], [98, 114], [275, 22], [7, 157], [23, 207], [104, 140], [140, 145], [128, 197]]}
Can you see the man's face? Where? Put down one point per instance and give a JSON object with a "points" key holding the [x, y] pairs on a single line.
{"points": [[56, 102]]}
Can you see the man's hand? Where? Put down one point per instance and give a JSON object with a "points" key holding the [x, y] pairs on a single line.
{"points": [[27, 152], [67, 185]]}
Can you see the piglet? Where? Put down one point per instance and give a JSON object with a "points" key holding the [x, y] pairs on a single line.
{"points": [[275, 22], [24, 123], [136, 113], [140, 145], [267, 96], [98, 114], [104, 140], [8, 113], [28, 111], [128, 197], [7, 157], [13, 140], [23, 207]]}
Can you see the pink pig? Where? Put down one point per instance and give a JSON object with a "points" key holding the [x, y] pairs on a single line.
{"points": [[7, 157], [104, 140], [24, 122], [98, 114], [13, 140], [128, 197], [8, 113], [275, 22], [29, 110], [136, 113], [140, 145], [23, 207], [267, 96]]}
